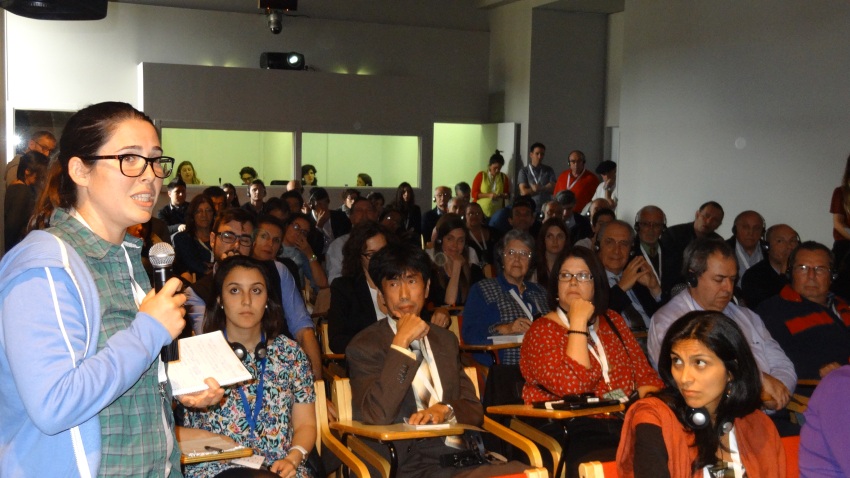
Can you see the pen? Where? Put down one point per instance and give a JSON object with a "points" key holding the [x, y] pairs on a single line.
{"points": [[212, 448]]}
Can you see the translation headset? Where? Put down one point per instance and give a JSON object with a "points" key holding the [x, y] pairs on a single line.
{"points": [[260, 351], [692, 279], [637, 221], [597, 246], [762, 238], [698, 418]]}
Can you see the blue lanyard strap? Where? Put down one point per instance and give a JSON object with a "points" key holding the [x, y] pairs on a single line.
{"points": [[251, 415]]}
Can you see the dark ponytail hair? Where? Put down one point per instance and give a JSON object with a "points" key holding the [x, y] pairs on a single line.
{"points": [[84, 134]]}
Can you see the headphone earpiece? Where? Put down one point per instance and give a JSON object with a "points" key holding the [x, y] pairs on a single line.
{"points": [[596, 246], [697, 418], [692, 280], [261, 351]]}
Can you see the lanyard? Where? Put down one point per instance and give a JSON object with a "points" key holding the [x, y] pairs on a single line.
{"points": [[482, 244], [571, 184], [251, 415], [598, 353], [435, 388], [646, 256], [534, 176], [522, 305]]}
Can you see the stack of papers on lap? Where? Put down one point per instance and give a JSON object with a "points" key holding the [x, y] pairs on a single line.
{"points": [[201, 357], [506, 339]]}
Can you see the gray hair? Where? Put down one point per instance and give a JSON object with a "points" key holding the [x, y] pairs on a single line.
{"points": [[513, 235]]}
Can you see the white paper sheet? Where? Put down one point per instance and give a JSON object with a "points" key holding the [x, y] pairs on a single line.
{"points": [[203, 356]]}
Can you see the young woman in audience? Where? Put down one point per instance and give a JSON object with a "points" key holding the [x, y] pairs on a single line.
{"points": [[81, 327], [583, 347], [840, 209], [706, 421], [481, 238], [377, 200], [364, 180], [551, 240], [405, 202], [192, 247], [232, 197], [308, 175], [187, 173], [491, 188], [274, 413], [506, 304], [457, 264], [354, 297]]}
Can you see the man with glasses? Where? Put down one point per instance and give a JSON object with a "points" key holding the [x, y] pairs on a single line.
{"points": [[650, 223], [248, 175], [765, 279], [41, 142], [635, 291], [578, 180], [810, 323], [676, 238], [233, 234]]}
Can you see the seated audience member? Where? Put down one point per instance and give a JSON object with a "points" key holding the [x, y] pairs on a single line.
{"points": [[174, 213], [186, 172], [706, 421], [748, 240], [522, 216], [231, 198], [364, 180], [552, 209], [456, 206], [650, 223], [711, 269], [551, 241], [256, 195], [506, 304], [607, 189], [598, 204], [824, 438], [308, 175], [810, 323], [278, 208], [218, 198], [268, 239], [768, 277], [295, 185], [537, 179], [328, 223], [19, 203], [578, 225], [464, 191], [377, 200], [40, 142], [635, 291], [361, 211], [233, 234], [582, 346], [385, 360], [492, 188], [676, 238], [578, 180], [297, 248], [442, 194], [274, 413], [294, 200], [247, 175], [482, 238], [600, 218], [457, 267], [192, 251], [354, 297], [348, 196]]}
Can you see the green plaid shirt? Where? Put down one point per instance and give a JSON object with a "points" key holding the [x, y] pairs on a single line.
{"points": [[134, 438]]}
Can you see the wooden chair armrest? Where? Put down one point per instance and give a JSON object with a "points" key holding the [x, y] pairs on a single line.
{"points": [[540, 438], [522, 443], [371, 456], [345, 455]]}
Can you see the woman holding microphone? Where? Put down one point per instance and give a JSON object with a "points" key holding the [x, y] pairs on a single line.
{"points": [[82, 388]]}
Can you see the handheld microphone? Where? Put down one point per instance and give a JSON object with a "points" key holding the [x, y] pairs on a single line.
{"points": [[161, 256]]}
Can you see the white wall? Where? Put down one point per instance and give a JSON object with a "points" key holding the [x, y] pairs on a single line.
{"points": [[745, 103]]}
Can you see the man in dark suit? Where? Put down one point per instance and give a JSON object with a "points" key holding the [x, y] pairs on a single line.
{"points": [[635, 290], [650, 224], [388, 371], [676, 238], [748, 241], [329, 223]]}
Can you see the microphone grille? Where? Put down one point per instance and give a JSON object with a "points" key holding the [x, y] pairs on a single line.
{"points": [[161, 255]]}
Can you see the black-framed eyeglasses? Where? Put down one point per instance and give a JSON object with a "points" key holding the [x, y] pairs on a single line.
{"points": [[134, 165], [228, 237], [44, 149]]}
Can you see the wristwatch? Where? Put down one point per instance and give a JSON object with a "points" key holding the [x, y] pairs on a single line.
{"points": [[451, 413], [313, 258]]}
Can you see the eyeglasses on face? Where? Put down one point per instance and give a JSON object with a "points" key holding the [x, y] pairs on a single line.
{"points": [[304, 231], [579, 276], [229, 237], [819, 271], [44, 149], [651, 225], [134, 165], [266, 236], [521, 255]]}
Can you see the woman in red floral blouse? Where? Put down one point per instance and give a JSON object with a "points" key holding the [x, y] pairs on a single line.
{"points": [[580, 347]]}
